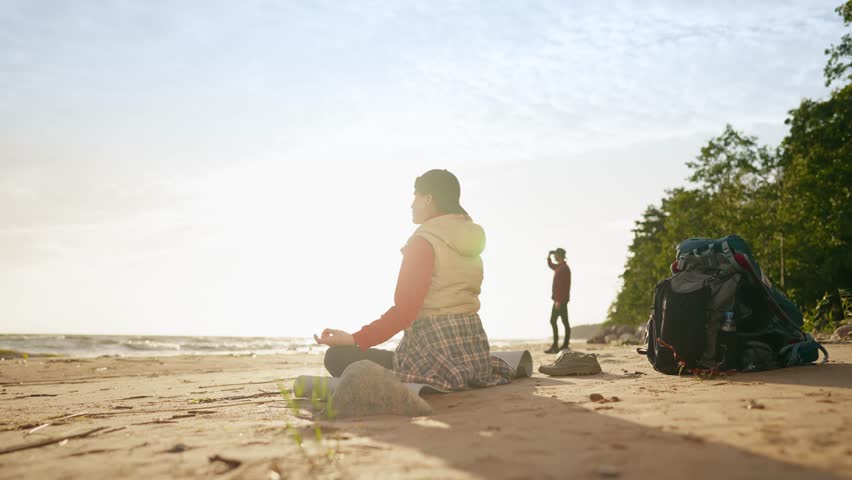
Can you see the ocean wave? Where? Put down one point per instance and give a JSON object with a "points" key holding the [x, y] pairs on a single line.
{"points": [[27, 337], [150, 345], [239, 346]]}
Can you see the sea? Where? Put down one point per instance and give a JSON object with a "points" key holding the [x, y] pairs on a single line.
{"points": [[159, 346], [153, 346]]}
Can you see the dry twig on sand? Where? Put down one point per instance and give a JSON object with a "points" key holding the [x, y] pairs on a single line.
{"points": [[256, 395], [112, 430], [205, 409], [246, 383], [63, 382], [230, 463], [90, 452], [49, 441], [56, 420], [32, 395], [155, 421]]}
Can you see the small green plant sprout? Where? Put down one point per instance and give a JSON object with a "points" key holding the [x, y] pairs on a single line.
{"points": [[319, 392], [292, 404]]}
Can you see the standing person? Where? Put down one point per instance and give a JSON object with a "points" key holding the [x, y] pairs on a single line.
{"points": [[561, 295], [435, 303]]}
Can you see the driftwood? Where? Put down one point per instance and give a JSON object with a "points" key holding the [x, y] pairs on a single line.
{"points": [[49, 441]]}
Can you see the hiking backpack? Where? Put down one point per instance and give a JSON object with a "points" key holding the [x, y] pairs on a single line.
{"points": [[718, 312]]}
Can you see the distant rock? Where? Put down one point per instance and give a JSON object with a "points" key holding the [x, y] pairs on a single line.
{"points": [[619, 335], [586, 331], [843, 333]]}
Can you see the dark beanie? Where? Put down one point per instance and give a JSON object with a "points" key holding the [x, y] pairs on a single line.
{"points": [[444, 188]]}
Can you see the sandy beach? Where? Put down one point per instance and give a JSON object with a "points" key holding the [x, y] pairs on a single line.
{"points": [[223, 417]]}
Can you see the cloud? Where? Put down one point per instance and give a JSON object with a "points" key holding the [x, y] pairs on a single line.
{"points": [[219, 139], [583, 73]]}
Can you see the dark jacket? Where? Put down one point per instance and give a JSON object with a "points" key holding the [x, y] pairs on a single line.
{"points": [[561, 281]]}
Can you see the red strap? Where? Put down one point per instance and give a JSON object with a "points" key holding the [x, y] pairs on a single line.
{"points": [[698, 372]]}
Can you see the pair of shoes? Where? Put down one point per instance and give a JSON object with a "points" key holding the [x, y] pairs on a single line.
{"points": [[572, 363], [552, 349]]}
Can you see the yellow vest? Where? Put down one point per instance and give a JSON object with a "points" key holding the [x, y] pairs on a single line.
{"points": [[457, 272]]}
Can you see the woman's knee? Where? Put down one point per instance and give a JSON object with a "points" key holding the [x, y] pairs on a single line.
{"points": [[337, 359]]}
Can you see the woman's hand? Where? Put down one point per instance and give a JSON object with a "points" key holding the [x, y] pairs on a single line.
{"points": [[334, 338]]}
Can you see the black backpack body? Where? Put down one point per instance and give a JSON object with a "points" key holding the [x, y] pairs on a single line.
{"points": [[685, 324], [684, 333]]}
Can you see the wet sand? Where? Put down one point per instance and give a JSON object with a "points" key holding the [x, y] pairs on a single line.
{"points": [[169, 416]]}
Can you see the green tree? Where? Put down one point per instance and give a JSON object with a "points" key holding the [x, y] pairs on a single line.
{"points": [[793, 204], [730, 173], [633, 299], [840, 56], [817, 178], [818, 185]]}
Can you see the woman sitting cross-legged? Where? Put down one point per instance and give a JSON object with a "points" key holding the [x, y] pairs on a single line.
{"points": [[435, 303]]}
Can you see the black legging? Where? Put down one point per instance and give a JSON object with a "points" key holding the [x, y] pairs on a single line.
{"points": [[338, 358], [554, 314]]}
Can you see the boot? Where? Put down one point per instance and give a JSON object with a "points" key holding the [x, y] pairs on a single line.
{"points": [[553, 348], [572, 363]]}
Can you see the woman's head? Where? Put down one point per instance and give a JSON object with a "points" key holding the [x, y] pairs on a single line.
{"points": [[436, 192]]}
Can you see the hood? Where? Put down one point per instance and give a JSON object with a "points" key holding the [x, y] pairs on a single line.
{"points": [[457, 231]]}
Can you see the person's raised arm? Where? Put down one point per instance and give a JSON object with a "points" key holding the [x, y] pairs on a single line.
{"points": [[553, 266], [415, 278]]}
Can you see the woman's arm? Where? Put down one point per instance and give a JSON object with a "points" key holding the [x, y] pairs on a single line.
{"points": [[415, 278]]}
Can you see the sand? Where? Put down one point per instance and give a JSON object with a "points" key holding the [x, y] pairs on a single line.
{"points": [[168, 417]]}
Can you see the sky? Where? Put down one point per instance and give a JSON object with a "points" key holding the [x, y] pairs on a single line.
{"points": [[246, 168]]}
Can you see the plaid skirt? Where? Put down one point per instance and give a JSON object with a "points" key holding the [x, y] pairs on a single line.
{"points": [[449, 352]]}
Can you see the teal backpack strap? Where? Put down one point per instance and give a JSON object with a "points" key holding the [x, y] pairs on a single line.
{"points": [[822, 349], [803, 353]]}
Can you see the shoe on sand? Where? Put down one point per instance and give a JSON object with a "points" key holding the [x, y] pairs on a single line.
{"points": [[552, 349], [572, 363]]}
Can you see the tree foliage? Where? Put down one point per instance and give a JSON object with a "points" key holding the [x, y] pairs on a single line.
{"points": [[792, 203], [840, 56]]}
